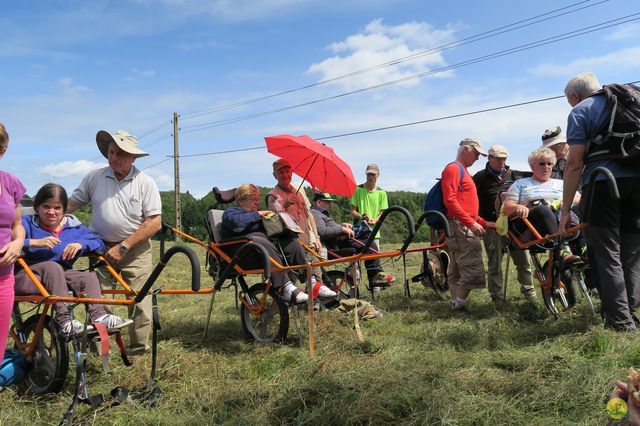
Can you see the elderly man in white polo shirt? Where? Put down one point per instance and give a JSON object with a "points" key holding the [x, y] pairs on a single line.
{"points": [[126, 214]]}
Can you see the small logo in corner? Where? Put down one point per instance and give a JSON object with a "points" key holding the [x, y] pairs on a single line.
{"points": [[616, 408]]}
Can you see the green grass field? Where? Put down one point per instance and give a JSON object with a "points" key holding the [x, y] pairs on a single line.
{"points": [[420, 364]]}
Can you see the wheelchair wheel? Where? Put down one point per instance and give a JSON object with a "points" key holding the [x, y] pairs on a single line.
{"points": [[47, 371], [565, 290], [428, 280], [272, 324], [342, 283], [550, 303]]}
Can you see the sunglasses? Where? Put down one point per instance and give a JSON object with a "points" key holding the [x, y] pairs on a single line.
{"points": [[543, 163]]}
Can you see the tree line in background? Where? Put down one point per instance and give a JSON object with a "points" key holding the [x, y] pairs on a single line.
{"points": [[194, 212]]}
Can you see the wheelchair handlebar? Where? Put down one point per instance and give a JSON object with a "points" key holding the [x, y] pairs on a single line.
{"points": [[611, 184], [423, 216], [246, 247], [195, 270], [376, 228]]}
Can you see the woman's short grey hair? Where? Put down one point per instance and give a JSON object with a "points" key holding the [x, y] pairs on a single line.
{"points": [[4, 137], [542, 154], [583, 84], [245, 191]]}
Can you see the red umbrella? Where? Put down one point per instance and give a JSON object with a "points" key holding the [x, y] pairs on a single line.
{"points": [[314, 162]]}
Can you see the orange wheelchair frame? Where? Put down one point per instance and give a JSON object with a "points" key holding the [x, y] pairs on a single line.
{"points": [[46, 351], [264, 314], [559, 286]]}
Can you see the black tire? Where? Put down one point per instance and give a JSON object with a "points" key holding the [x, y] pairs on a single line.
{"points": [[272, 324], [550, 303], [47, 371], [342, 283], [571, 288], [564, 293]]}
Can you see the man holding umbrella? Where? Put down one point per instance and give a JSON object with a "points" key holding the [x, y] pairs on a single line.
{"points": [[285, 198]]}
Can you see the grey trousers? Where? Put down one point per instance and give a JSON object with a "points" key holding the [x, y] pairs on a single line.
{"points": [[58, 282], [493, 245], [613, 238]]}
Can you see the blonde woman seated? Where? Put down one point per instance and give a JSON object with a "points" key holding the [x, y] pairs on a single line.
{"points": [[245, 220], [537, 197]]}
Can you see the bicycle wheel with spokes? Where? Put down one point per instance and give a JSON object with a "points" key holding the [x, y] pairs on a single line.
{"points": [[268, 324], [549, 298], [342, 283], [47, 371]]}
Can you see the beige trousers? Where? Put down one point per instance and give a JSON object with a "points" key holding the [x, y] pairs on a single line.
{"points": [[135, 269]]}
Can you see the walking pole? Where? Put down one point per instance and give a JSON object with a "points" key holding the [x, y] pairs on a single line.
{"points": [[506, 275], [310, 306]]}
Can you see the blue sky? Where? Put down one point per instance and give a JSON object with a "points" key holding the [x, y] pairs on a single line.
{"points": [[71, 68]]}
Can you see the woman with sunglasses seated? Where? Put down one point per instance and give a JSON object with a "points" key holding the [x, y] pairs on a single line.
{"points": [[537, 198], [246, 221]]}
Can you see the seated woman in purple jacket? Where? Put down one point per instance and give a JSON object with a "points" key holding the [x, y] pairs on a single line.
{"points": [[53, 242], [245, 220]]}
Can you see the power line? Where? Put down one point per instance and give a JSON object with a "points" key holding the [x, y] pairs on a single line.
{"points": [[378, 129], [396, 126], [155, 164], [155, 129], [506, 52], [451, 45], [219, 152], [156, 140]]}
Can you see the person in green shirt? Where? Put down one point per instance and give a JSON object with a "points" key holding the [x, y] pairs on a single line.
{"points": [[367, 204]]}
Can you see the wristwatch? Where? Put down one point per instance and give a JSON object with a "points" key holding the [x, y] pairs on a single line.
{"points": [[123, 248]]}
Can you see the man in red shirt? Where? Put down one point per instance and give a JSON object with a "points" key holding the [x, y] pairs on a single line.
{"points": [[466, 270]]}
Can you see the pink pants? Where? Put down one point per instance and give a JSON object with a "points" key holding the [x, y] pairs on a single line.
{"points": [[6, 305]]}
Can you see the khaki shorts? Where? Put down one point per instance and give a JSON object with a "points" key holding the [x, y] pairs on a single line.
{"points": [[465, 249]]}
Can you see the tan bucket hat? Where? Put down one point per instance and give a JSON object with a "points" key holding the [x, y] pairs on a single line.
{"points": [[126, 142]]}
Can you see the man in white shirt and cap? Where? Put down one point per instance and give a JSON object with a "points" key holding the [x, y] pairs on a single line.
{"points": [[126, 214]]}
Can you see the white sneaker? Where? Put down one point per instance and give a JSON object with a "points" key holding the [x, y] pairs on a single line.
{"points": [[289, 290], [72, 327], [113, 322], [325, 291]]}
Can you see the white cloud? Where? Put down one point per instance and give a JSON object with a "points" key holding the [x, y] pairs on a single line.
{"points": [[137, 74], [163, 180], [71, 89], [631, 31], [621, 60], [379, 44], [67, 169]]}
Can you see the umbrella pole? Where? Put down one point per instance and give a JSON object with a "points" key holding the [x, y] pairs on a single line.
{"points": [[310, 307], [307, 174]]}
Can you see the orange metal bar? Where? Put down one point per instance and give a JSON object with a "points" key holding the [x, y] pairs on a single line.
{"points": [[117, 276]]}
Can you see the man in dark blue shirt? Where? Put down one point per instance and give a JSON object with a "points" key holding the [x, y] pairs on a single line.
{"points": [[613, 234]]}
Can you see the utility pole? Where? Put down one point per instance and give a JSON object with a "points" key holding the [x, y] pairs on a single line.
{"points": [[176, 175]]}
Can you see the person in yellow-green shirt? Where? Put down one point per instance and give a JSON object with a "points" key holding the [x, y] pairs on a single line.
{"points": [[367, 205]]}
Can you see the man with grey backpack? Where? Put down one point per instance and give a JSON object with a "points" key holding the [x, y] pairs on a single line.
{"points": [[603, 131]]}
